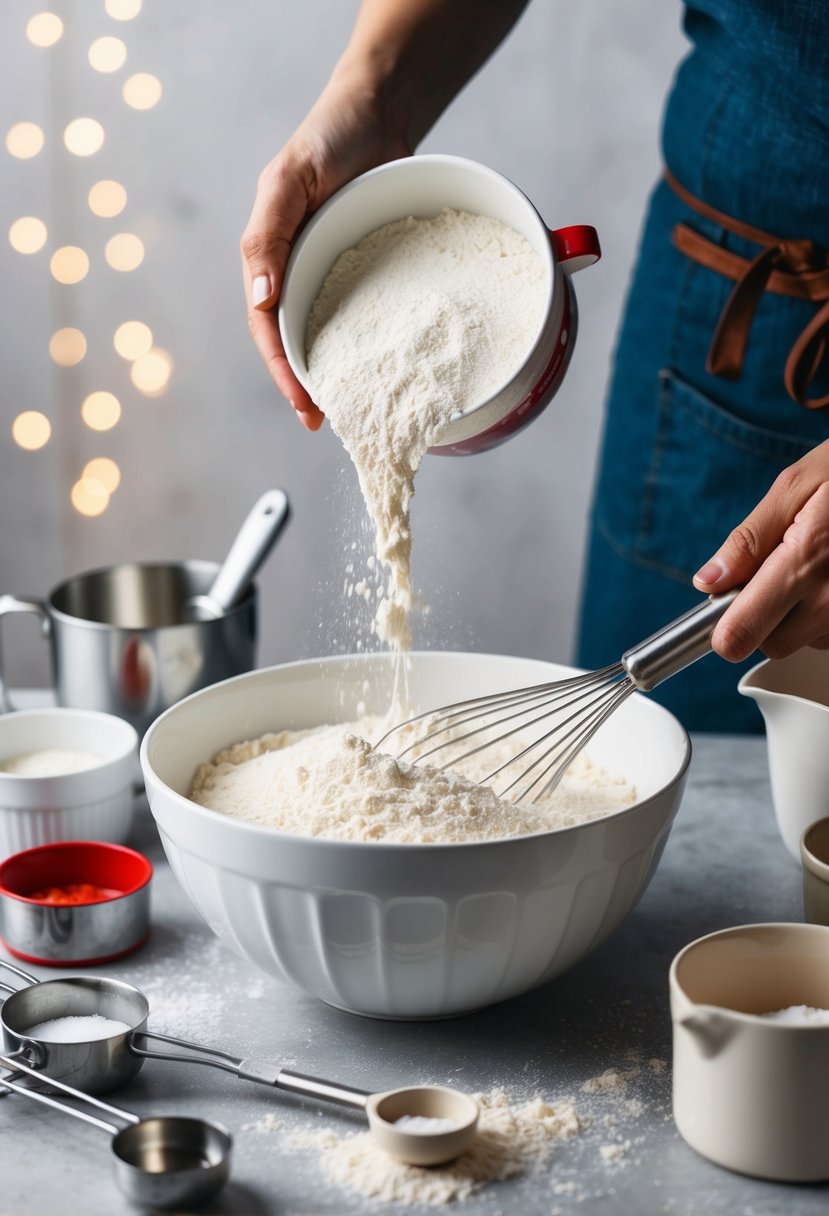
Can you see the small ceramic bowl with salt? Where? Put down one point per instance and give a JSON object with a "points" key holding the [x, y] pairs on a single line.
{"points": [[78, 902], [750, 1009], [65, 774]]}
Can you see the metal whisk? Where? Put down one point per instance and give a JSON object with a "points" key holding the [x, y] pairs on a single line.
{"points": [[578, 707]]}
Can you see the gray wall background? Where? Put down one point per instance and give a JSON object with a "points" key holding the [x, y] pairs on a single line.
{"points": [[569, 109]]}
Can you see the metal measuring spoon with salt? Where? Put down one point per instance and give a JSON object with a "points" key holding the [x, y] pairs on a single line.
{"points": [[445, 1120]]}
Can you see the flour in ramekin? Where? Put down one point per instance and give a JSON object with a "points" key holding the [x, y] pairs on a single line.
{"points": [[330, 783], [420, 319]]}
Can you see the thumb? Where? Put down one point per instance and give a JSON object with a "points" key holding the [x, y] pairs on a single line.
{"points": [[746, 548], [279, 208]]}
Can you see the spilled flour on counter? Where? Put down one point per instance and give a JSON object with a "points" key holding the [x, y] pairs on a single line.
{"points": [[420, 319], [571, 1142], [328, 782], [511, 1139]]}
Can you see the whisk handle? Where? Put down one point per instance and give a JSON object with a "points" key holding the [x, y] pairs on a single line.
{"points": [[678, 644]]}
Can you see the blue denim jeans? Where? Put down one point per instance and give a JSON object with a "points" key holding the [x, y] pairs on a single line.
{"points": [[687, 455]]}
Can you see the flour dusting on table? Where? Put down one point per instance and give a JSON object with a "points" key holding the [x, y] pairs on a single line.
{"points": [[510, 1140]]}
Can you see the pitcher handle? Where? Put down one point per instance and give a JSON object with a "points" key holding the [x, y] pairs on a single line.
{"points": [[10, 604]]}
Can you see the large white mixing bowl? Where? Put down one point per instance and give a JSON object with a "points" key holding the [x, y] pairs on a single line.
{"points": [[407, 931]]}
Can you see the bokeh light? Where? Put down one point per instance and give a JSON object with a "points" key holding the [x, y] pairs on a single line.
{"points": [[151, 373], [107, 54], [124, 251], [142, 91], [28, 234], [67, 347], [89, 496], [69, 264], [83, 136], [107, 199], [105, 471], [31, 430], [44, 29], [24, 140], [132, 340], [122, 10], [100, 411]]}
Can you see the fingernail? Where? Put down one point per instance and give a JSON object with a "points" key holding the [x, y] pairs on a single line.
{"points": [[710, 572], [260, 289]]}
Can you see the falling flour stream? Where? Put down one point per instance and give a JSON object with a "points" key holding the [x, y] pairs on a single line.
{"points": [[421, 319]]}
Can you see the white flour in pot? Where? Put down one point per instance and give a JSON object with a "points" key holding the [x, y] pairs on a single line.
{"points": [[422, 318], [330, 783]]}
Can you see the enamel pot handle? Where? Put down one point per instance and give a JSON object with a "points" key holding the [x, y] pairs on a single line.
{"points": [[11, 604]]}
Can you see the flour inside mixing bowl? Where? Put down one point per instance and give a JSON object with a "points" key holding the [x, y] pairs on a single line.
{"points": [[330, 783], [421, 319]]}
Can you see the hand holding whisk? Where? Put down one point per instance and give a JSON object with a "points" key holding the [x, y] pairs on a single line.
{"points": [[575, 709]]}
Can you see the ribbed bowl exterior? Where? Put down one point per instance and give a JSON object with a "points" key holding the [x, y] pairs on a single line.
{"points": [[404, 931]]}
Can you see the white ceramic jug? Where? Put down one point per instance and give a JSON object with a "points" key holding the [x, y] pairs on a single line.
{"points": [[793, 695], [749, 1092]]}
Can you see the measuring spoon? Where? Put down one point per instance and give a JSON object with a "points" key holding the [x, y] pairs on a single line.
{"points": [[96, 1065], [160, 1162], [104, 1064], [382, 1109]]}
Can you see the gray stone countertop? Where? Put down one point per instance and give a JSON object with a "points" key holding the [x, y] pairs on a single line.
{"points": [[724, 865]]}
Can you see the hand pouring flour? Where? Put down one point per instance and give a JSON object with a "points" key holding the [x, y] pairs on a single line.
{"points": [[421, 319]]}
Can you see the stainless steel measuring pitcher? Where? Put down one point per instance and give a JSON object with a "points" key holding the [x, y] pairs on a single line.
{"points": [[120, 642]]}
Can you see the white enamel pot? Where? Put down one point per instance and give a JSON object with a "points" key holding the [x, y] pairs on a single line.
{"points": [[423, 186]]}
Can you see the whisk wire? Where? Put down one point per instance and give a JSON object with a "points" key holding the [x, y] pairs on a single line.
{"points": [[578, 705], [464, 711], [561, 762], [577, 722]]}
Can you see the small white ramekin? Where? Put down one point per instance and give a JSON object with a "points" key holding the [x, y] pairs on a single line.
{"points": [[423, 186], [94, 804]]}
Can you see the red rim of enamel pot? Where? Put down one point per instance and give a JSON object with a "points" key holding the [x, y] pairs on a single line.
{"points": [[117, 870]]}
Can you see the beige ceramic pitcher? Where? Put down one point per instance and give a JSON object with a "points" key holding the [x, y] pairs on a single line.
{"points": [[751, 1093], [793, 695]]}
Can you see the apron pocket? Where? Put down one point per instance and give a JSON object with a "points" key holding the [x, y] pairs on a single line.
{"points": [[708, 470]]}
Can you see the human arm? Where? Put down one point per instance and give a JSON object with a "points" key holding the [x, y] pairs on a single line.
{"points": [[404, 63], [780, 552]]}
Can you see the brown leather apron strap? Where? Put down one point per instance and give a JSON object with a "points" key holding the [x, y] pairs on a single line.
{"points": [[805, 358], [795, 268]]}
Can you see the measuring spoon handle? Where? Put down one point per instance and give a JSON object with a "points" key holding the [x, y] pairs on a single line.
{"points": [[300, 1083], [15, 1065], [263, 1072], [45, 1100], [23, 975]]}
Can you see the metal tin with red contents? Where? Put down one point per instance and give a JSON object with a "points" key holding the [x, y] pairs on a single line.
{"points": [[423, 186], [79, 902]]}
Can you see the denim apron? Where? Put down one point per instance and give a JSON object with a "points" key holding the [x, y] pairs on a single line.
{"points": [[686, 454]]}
